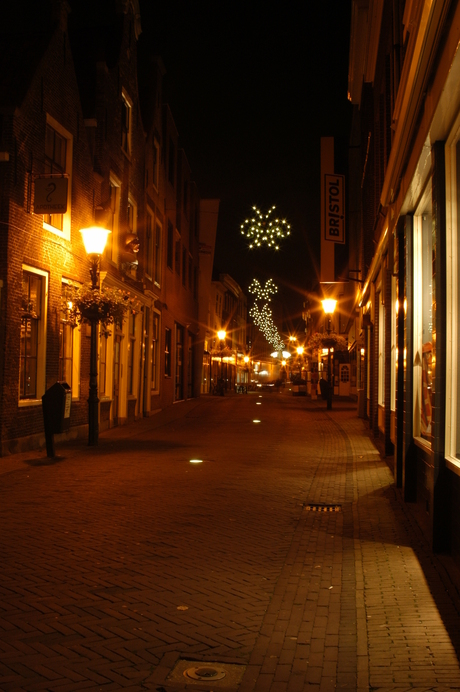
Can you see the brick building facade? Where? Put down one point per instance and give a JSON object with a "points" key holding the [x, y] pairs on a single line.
{"points": [[75, 105], [403, 83]]}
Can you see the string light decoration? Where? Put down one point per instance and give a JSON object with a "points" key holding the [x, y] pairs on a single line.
{"points": [[261, 312], [262, 229]]}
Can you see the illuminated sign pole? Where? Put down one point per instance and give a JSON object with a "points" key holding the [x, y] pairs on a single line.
{"points": [[332, 232], [332, 210]]}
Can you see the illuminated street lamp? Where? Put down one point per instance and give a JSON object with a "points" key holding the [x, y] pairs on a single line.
{"points": [[329, 305], [94, 240], [221, 335]]}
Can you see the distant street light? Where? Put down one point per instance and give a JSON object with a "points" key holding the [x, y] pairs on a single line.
{"points": [[94, 240], [221, 335]]}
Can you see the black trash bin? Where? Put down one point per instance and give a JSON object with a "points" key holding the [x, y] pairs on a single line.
{"points": [[56, 403], [324, 387]]}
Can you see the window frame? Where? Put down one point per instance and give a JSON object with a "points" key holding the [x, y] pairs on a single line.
{"points": [[63, 232], [419, 296], [149, 244], [41, 341], [75, 384], [126, 127], [111, 249], [168, 351]]}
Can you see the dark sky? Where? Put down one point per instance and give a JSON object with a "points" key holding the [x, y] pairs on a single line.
{"points": [[252, 90]]}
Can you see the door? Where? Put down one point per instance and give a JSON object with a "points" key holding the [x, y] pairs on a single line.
{"points": [[344, 379], [116, 378]]}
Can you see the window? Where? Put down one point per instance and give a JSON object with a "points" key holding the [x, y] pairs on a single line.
{"points": [[131, 216], [167, 352], [190, 366], [113, 220], [65, 350], [169, 258], [103, 351], [157, 254], [393, 359], [58, 161], [33, 334], [453, 300], [149, 245], [177, 257], [155, 355], [179, 369], [126, 123], [131, 351], [381, 346], [69, 344], [423, 307]]}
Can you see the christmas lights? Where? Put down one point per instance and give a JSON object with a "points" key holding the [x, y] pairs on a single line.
{"points": [[262, 314], [261, 229]]}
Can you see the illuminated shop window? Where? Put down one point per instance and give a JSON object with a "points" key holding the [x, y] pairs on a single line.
{"points": [[423, 320], [33, 335]]}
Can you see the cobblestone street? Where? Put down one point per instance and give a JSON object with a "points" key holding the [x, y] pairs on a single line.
{"points": [[121, 561]]}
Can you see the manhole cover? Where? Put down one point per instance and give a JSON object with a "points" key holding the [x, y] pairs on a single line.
{"points": [[205, 673], [214, 674], [323, 508]]}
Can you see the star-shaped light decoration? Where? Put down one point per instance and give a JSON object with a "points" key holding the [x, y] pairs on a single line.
{"points": [[262, 314], [263, 229]]}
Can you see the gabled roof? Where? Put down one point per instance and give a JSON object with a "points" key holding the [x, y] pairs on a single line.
{"points": [[20, 56]]}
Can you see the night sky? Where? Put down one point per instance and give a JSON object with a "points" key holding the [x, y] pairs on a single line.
{"points": [[252, 90]]}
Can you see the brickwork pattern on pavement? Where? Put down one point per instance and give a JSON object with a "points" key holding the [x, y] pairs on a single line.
{"points": [[117, 561]]}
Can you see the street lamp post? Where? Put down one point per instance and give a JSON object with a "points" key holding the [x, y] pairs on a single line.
{"points": [[94, 240], [329, 305], [221, 335], [300, 351]]}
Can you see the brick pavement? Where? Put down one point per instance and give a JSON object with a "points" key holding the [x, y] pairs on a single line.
{"points": [[118, 561]]}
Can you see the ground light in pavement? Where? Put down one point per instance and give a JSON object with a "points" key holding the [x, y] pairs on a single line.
{"points": [[256, 421], [196, 461]]}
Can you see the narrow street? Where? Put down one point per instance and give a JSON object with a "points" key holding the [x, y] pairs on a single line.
{"points": [[126, 564]]}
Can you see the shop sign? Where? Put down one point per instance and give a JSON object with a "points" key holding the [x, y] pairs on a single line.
{"points": [[335, 207], [50, 195]]}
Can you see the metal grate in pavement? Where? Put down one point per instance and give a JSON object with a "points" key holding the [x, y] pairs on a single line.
{"points": [[321, 507], [220, 674]]}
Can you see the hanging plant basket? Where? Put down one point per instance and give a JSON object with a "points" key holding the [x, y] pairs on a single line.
{"points": [[105, 305], [333, 340]]}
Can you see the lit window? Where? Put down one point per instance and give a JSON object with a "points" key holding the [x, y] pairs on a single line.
{"points": [[167, 352], [155, 355], [423, 307], [69, 344], [103, 353], [149, 244], [157, 254], [111, 249], [33, 334], [131, 350]]}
